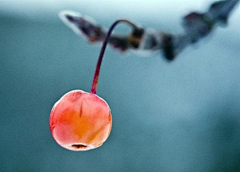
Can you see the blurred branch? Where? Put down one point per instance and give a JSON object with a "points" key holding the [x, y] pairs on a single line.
{"points": [[196, 26]]}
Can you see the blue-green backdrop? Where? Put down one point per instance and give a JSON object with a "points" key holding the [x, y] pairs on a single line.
{"points": [[182, 116]]}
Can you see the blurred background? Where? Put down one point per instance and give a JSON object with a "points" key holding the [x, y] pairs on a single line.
{"points": [[182, 116]]}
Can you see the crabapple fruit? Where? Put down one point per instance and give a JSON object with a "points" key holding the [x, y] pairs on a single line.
{"points": [[80, 121]]}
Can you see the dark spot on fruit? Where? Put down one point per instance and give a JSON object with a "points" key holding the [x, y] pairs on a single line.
{"points": [[81, 111], [109, 117], [79, 146]]}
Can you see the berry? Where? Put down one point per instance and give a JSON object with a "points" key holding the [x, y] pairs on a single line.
{"points": [[80, 121]]}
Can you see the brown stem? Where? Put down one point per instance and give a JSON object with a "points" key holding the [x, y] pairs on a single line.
{"points": [[97, 70]]}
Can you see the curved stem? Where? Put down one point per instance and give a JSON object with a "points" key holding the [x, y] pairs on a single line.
{"points": [[97, 70]]}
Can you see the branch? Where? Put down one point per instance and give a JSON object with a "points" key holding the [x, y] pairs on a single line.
{"points": [[196, 26]]}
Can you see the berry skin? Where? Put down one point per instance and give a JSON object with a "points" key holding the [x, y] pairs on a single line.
{"points": [[80, 121]]}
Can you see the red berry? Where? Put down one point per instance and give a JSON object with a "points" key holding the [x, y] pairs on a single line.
{"points": [[80, 121]]}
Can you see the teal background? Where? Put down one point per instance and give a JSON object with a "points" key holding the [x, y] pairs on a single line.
{"points": [[180, 116]]}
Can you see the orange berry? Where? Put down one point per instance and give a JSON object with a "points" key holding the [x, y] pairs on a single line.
{"points": [[80, 121]]}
